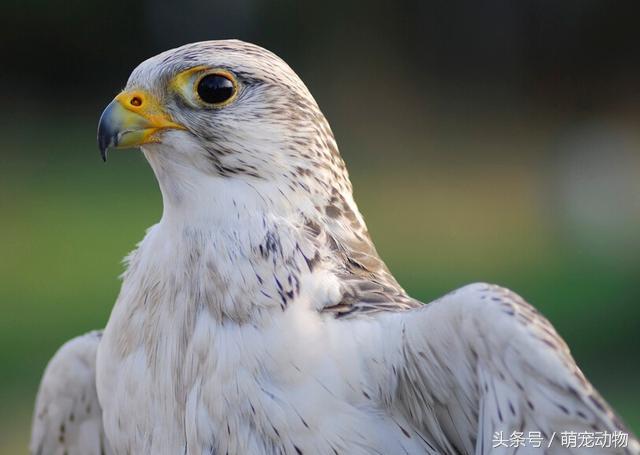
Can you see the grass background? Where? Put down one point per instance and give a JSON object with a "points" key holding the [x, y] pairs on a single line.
{"points": [[68, 219], [492, 140]]}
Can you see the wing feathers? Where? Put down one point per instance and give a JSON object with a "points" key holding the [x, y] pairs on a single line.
{"points": [[68, 418], [481, 361]]}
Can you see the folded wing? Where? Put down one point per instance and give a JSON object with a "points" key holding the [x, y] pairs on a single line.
{"points": [[480, 369], [67, 417]]}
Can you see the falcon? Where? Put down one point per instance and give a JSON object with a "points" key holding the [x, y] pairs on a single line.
{"points": [[256, 316]]}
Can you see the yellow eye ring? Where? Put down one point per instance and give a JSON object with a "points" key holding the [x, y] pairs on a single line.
{"points": [[187, 82], [216, 88]]}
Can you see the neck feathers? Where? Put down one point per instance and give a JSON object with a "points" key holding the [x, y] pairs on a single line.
{"points": [[242, 247]]}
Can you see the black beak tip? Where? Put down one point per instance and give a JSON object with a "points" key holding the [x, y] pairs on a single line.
{"points": [[107, 132], [103, 145], [106, 138]]}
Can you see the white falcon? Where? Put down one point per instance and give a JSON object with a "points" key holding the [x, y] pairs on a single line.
{"points": [[256, 317]]}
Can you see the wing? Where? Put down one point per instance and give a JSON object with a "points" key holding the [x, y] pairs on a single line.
{"points": [[480, 364], [68, 417]]}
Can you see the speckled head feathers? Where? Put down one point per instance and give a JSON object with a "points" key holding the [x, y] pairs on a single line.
{"points": [[270, 151], [273, 128]]}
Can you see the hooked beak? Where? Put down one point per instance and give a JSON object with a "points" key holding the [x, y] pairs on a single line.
{"points": [[133, 118]]}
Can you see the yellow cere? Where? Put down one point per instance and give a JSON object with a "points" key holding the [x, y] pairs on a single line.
{"points": [[133, 118], [145, 105]]}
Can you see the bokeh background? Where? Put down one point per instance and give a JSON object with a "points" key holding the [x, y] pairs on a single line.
{"points": [[493, 140]]}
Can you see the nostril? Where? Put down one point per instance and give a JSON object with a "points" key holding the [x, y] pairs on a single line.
{"points": [[136, 101]]}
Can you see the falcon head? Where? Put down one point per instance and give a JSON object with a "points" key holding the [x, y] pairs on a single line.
{"points": [[223, 111]]}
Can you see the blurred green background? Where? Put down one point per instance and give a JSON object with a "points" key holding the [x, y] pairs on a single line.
{"points": [[490, 140]]}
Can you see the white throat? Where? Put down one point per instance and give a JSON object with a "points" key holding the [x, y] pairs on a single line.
{"points": [[199, 199], [235, 247]]}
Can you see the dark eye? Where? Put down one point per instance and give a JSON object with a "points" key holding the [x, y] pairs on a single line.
{"points": [[215, 88]]}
